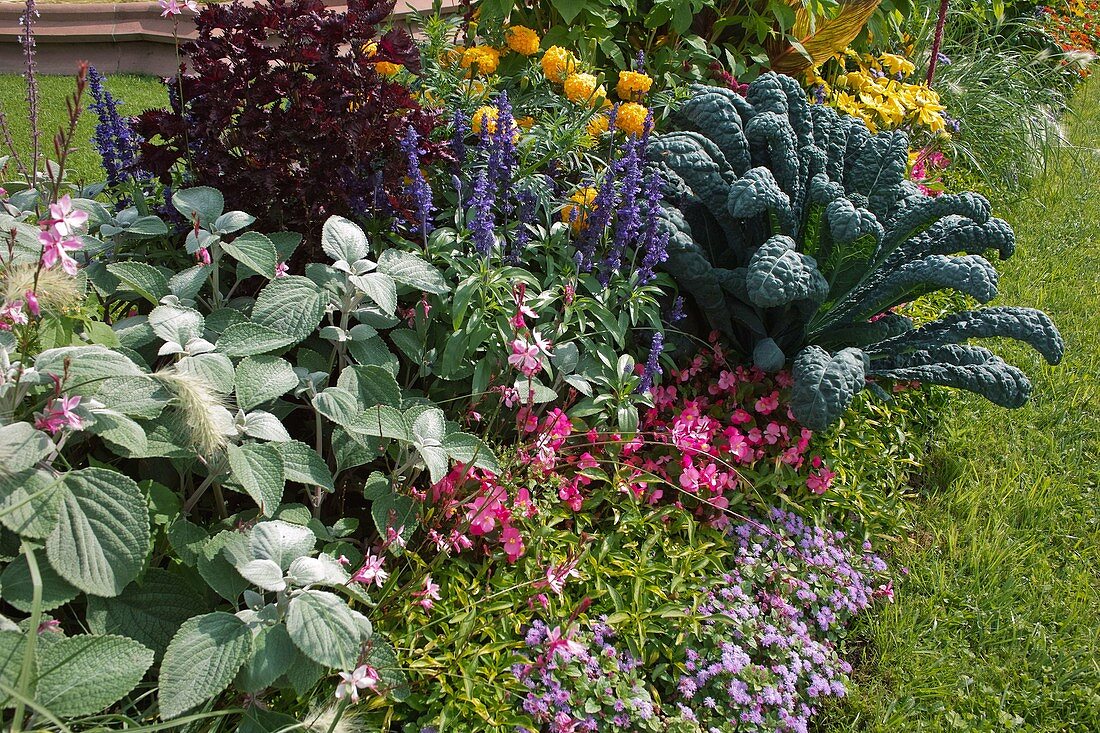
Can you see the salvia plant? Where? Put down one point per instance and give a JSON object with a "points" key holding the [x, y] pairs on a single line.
{"points": [[796, 233]]}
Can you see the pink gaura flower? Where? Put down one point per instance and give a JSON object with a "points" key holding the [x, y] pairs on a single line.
{"points": [[32, 303], [558, 575], [56, 248], [562, 643], [525, 357], [175, 7], [12, 315], [59, 415], [64, 219], [429, 595], [371, 571], [361, 678]]}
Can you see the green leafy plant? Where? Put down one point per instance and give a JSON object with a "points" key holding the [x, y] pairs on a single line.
{"points": [[797, 234]]}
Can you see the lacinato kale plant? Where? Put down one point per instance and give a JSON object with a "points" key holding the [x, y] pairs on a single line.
{"points": [[796, 234], [281, 102]]}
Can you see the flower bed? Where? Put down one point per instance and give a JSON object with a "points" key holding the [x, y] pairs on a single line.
{"points": [[498, 405]]}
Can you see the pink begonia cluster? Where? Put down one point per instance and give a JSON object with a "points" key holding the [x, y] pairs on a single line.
{"points": [[711, 423], [473, 510]]}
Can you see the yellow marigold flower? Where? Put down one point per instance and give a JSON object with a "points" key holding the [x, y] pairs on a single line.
{"points": [[631, 118], [526, 122], [558, 63], [633, 86], [582, 88], [576, 214], [522, 40], [486, 117], [385, 68], [369, 49], [598, 125], [896, 64], [480, 60]]}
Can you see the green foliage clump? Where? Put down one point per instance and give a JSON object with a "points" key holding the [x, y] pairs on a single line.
{"points": [[797, 234]]}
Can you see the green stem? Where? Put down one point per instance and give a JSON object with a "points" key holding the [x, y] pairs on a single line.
{"points": [[26, 673]]}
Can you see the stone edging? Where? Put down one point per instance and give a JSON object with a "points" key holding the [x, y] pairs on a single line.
{"points": [[130, 38]]}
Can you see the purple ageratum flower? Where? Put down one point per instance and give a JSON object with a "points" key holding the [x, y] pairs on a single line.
{"points": [[418, 189], [941, 58], [484, 220], [653, 362]]}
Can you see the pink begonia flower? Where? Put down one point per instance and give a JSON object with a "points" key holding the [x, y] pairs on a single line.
{"points": [[362, 678], [371, 571], [820, 480], [562, 643], [12, 315], [513, 543], [429, 595], [768, 403], [56, 248], [65, 220], [59, 415], [32, 303], [572, 497], [525, 357], [281, 269], [740, 417]]}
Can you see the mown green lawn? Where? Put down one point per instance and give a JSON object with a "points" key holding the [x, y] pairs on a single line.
{"points": [[135, 93], [997, 627]]}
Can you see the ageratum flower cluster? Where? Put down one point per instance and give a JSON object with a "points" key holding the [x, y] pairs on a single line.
{"points": [[764, 653], [578, 680]]}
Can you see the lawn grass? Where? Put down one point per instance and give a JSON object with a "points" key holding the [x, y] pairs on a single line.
{"points": [[997, 626], [135, 93]]}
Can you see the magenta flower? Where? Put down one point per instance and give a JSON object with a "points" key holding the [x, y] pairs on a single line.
{"points": [[361, 678], [525, 357], [56, 248], [202, 256], [12, 315], [65, 220], [281, 269], [562, 643], [371, 572], [59, 415], [429, 595], [513, 543], [32, 303], [558, 575]]}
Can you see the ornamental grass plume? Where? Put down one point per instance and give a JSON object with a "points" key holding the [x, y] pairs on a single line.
{"points": [[333, 718], [200, 413], [54, 290]]}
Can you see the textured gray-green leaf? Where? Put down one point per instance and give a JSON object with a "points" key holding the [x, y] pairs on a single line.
{"points": [[82, 675], [260, 379], [322, 627], [150, 611], [292, 306], [102, 533], [259, 470], [201, 661]]}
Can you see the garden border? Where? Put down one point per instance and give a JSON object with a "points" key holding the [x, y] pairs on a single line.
{"points": [[116, 38]]}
